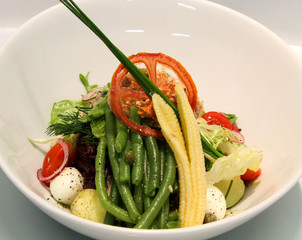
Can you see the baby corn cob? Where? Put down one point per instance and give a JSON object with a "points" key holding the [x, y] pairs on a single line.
{"points": [[171, 130], [195, 152]]}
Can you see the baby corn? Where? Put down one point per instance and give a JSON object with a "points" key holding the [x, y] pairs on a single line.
{"points": [[195, 152], [171, 130]]}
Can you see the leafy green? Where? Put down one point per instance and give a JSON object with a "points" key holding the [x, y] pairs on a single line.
{"points": [[96, 112], [98, 127], [231, 117], [78, 117], [216, 135], [65, 107], [85, 82], [235, 164]]}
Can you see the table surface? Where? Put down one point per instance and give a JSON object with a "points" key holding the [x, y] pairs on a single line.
{"points": [[20, 219]]}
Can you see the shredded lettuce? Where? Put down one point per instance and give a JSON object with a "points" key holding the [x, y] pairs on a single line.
{"points": [[235, 164], [216, 135]]}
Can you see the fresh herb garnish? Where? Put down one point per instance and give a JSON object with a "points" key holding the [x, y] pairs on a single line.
{"points": [[70, 123]]}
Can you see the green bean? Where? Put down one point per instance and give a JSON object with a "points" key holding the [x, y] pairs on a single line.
{"points": [[124, 166], [138, 197], [123, 188], [114, 198], [173, 216], [161, 149], [162, 195], [146, 170], [101, 185], [138, 168], [147, 200], [173, 224], [135, 117], [164, 215], [154, 162], [164, 212], [137, 148], [121, 136]]}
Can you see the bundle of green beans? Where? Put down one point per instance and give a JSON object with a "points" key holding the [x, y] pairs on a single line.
{"points": [[144, 171]]}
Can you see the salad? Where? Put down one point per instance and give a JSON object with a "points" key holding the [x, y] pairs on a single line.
{"points": [[121, 158], [141, 151]]}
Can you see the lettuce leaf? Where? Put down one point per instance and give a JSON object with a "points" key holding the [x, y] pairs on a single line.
{"points": [[65, 107], [235, 164]]}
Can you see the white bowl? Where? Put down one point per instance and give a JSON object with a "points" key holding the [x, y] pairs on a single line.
{"points": [[237, 64]]}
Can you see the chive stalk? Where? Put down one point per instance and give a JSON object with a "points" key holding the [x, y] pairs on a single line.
{"points": [[149, 87]]}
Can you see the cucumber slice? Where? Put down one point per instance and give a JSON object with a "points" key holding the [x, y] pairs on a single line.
{"points": [[236, 192]]}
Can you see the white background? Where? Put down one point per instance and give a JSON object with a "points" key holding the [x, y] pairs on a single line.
{"points": [[20, 219]]}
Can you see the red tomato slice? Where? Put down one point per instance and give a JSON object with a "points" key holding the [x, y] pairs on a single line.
{"points": [[124, 93], [216, 118], [54, 159], [250, 175]]}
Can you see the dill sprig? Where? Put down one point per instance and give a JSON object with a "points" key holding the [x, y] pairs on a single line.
{"points": [[70, 123]]}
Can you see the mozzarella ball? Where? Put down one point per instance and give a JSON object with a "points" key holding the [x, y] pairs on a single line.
{"points": [[216, 204], [65, 187]]}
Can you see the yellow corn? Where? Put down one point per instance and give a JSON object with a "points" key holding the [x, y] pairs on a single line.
{"points": [[195, 152], [171, 130]]}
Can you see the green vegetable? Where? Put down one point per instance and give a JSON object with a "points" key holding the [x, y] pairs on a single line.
{"points": [[98, 127], [138, 197], [231, 117], [71, 124], [162, 195], [121, 136], [101, 185], [125, 175], [114, 198], [123, 188], [65, 107], [215, 134], [137, 148], [85, 82], [96, 112], [235, 164], [154, 163]]}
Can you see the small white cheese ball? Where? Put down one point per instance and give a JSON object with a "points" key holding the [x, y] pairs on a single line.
{"points": [[65, 187], [216, 204]]}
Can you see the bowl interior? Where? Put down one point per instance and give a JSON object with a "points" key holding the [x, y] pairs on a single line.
{"points": [[238, 66]]}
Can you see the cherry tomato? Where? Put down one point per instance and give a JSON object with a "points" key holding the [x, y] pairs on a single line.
{"points": [[216, 118], [235, 128], [125, 91], [54, 158], [250, 175]]}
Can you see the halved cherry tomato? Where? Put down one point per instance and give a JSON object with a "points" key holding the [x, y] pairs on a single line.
{"points": [[125, 91], [216, 118], [54, 159], [250, 175]]}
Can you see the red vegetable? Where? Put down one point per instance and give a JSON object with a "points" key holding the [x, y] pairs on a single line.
{"points": [[250, 175], [125, 91], [55, 160], [216, 118]]}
